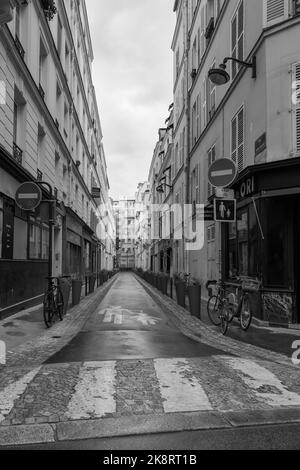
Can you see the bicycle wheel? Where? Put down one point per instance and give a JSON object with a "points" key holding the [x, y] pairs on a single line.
{"points": [[224, 318], [59, 304], [213, 310], [246, 314], [48, 309]]}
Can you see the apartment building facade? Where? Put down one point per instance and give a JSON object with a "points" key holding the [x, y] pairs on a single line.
{"points": [[253, 119], [125, 217], [142, 226], [50, 131]]}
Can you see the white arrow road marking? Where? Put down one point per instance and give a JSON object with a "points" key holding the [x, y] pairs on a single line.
{"points": [[262, 382], [94, 393], [180, 391], [116, 315], [13, 391]]}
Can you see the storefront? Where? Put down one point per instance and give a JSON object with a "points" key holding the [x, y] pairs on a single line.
{"points": [[24, 244], [264, 243], [74, 251]]}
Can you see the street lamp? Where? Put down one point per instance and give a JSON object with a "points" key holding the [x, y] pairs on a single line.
{"points": [[160, 188], [219, 76]]}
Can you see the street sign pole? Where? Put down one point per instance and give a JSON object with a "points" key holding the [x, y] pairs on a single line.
{"points": [[51, 203]]}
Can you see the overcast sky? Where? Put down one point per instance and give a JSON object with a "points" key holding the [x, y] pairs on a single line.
{"points": [[132, 73]]}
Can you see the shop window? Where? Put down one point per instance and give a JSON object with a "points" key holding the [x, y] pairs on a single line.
{"points": [[38, 239], [1, 225], [242, 229], [277, 243], [232, 251]]}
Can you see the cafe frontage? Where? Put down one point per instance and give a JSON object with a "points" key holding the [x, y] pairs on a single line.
{"points": [[264, 242]]}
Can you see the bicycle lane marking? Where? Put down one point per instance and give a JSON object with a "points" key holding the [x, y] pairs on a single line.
{"points": [[263, 383], [12, 392]]}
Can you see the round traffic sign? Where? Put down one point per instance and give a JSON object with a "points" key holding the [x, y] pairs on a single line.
{"points": [[28, 196], [222, 173]]}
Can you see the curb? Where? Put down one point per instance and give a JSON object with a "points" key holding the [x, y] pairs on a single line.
{"points": [[11, 436]]}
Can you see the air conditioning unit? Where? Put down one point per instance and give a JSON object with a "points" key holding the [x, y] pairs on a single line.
{"points": [[6, 12]]}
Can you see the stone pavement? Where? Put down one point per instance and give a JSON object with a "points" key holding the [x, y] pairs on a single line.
{"points": [[42, 402]]}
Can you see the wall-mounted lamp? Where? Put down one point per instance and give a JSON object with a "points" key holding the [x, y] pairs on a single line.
{"points": [[220, 76]]}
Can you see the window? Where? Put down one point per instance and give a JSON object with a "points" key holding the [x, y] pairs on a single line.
{"points": [[177, 63], [276, 11], [296, 103], [211, 96], [194, 125], [237, 139], [211, 160], [203, 22], [204, 104], [59, 36], [237, 38], [194, 55], [38, 239], [42, 68]]}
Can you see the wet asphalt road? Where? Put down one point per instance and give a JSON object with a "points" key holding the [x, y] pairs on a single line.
{"points": [[128, 324]]}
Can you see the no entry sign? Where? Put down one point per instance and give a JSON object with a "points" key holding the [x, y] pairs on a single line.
{"points": [[222, 173], [28, 196]]}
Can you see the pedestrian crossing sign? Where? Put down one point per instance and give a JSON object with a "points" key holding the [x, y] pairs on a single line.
{"points": [[225, 210]]}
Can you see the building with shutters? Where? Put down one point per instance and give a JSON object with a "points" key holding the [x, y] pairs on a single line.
{"points": [[50, 131], [142, 226], [125, 216], [256, 123]]}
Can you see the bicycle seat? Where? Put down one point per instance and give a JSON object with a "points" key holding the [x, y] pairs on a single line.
{"points": [[51, 278], [211, 283]]}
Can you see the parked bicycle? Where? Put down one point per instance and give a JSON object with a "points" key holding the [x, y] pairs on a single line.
{"points": [[53, 304], [223, 307]]}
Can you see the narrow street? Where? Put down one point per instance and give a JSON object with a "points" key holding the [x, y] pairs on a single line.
{"points": [[129, 371]]}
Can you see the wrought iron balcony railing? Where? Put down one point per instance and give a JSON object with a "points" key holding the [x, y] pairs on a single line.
{"points": [[17, 154]]}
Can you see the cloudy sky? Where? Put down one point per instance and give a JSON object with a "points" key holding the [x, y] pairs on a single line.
{"points": [[132, 74]]}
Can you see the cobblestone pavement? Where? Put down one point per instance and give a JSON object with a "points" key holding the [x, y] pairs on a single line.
{"points": [[242, 378], [197, 330]]}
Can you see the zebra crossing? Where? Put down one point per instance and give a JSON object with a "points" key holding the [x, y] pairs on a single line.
{"points": [[96, 390]]}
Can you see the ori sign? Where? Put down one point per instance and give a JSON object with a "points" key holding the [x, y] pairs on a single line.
{"points": [[247, 188]]}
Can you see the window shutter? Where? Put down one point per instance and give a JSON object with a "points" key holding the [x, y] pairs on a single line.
{"points": [[234, 140], [203, 19], [240, 139], [296, 102], [198, 119], [204, 103], [275, 11]]}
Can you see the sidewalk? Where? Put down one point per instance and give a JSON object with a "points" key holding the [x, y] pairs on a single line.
{"points": [[29, 343], [269, 343]]}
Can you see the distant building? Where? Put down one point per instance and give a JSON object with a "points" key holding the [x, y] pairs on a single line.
{"points": [[142, 229], [124, 210]]}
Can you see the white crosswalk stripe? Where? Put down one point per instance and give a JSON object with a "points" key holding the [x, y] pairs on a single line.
{"points": [[266, 386], [12, 392], [94, 393], [180, 391]]}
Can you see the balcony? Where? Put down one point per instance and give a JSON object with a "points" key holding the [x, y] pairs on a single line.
{"points": [[17, 154], [49, 8], [19, 47]]}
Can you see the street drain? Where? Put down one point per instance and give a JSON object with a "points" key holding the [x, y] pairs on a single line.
{"points": [[56, 337]]}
